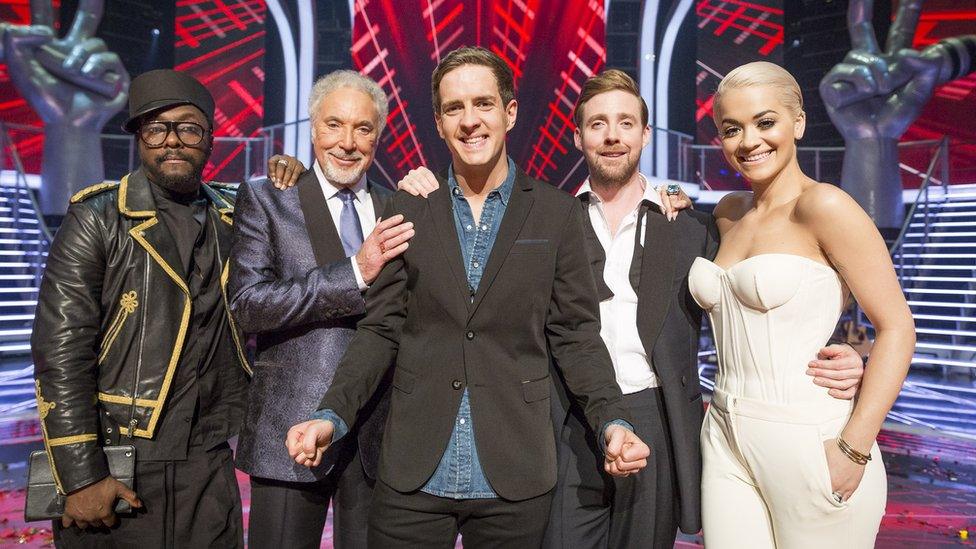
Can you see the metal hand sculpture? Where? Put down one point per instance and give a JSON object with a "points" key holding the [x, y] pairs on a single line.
{"points": [[75, 85], [873, 96]]}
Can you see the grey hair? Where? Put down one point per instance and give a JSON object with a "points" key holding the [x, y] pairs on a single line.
{"points": [[349, 79]]}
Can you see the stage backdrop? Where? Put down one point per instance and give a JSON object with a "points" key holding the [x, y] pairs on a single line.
{"points": [[221, 43], [952, 109], [730, 33], [551, 46], [13, 108]]}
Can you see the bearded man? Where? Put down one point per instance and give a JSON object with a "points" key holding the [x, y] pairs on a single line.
{"points": [[133, 343]]}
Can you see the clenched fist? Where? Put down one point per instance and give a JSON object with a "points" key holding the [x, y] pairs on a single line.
{"points": [[307, 441], [626, 453]]}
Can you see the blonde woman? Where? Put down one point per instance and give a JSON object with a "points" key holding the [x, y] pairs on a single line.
{"points": [[784, 464]]}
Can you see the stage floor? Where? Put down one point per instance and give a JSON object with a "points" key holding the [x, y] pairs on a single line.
{"points": [[931, 495]]}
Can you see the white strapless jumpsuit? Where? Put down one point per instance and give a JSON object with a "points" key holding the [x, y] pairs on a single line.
{"points": [[765, 481]]}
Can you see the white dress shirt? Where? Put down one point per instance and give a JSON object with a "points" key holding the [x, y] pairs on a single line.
{"points": [[618, 315], [364, 208]]}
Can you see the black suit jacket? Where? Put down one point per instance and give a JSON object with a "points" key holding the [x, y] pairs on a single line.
{"points": [[669, 324], [537, 295]]}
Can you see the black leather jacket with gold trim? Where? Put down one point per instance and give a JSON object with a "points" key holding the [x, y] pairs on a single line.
{"points": [[112, 309]]}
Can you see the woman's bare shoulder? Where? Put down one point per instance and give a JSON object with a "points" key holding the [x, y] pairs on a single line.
{"points": [[733, 205], [820, 201]]}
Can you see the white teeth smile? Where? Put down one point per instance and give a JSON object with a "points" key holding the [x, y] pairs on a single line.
{"points": [[474, 140], [757, 157]]}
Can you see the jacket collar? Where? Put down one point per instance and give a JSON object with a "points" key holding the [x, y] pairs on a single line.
{"points": [[136, 200]]}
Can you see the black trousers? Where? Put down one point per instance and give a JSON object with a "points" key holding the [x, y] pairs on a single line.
{"points": [[191, 503], [423, 521], [590, 509], [292, 514]]}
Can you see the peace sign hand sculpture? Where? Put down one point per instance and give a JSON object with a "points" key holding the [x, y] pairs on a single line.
{"points": [[874, 95], [75, 85]]}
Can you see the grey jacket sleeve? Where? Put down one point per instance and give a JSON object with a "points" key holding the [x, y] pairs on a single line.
{"points": [[261, 300]]}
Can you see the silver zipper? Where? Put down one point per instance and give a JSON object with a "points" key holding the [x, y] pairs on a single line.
{"points": [[142, 344]]}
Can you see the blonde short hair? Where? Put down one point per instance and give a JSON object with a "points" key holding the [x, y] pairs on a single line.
{"points": [[763, 73]]}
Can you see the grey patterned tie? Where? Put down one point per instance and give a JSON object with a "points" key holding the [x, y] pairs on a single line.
{"points": [[350, 231]]}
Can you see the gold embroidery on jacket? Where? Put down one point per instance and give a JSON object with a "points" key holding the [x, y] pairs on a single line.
{"points": [[44, 407], [127, 306]]}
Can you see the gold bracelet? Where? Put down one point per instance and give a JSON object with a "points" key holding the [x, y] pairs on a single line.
{"points": [[851, 453], [853, 458]]}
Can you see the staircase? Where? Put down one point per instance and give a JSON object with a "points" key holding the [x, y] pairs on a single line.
{"points": [[23, 252], [936, 263], [24, 243]]}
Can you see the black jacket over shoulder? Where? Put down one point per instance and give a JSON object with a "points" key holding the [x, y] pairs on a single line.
{"points": [[112, 307], [669, 324], [537, 296]]}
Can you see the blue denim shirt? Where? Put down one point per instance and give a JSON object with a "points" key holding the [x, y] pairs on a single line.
{"points": [[459, 474]]}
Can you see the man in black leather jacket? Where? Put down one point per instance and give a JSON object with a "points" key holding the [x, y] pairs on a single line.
{"points": [[133, 344]]}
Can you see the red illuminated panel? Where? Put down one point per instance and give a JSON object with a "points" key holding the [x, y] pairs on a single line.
{"points": [[555, 139], [400, 148], [221, 43], [749, 25], [13, 108], [952, 102], [730, 33], [399, 42]]}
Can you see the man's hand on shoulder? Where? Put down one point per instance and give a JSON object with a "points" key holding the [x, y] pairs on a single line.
{"points": [[388, 240], [626, 453], [284, 170], [419, 182], [307, 441], [838, 368], [94, 505]]}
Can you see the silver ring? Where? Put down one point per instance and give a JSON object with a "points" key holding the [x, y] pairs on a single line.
{"points": [[282, 161], [673, 189], [838, 497]]}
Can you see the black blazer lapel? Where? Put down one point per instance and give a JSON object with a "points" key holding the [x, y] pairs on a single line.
{"points": [[322, 232], [380, 195], [136, 200], [657, 274], [515, 213], [442, 214], [594, 250]]}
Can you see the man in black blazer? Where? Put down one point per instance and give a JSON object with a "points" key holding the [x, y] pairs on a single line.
{"points": [[299, 264], [495, 279]]}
